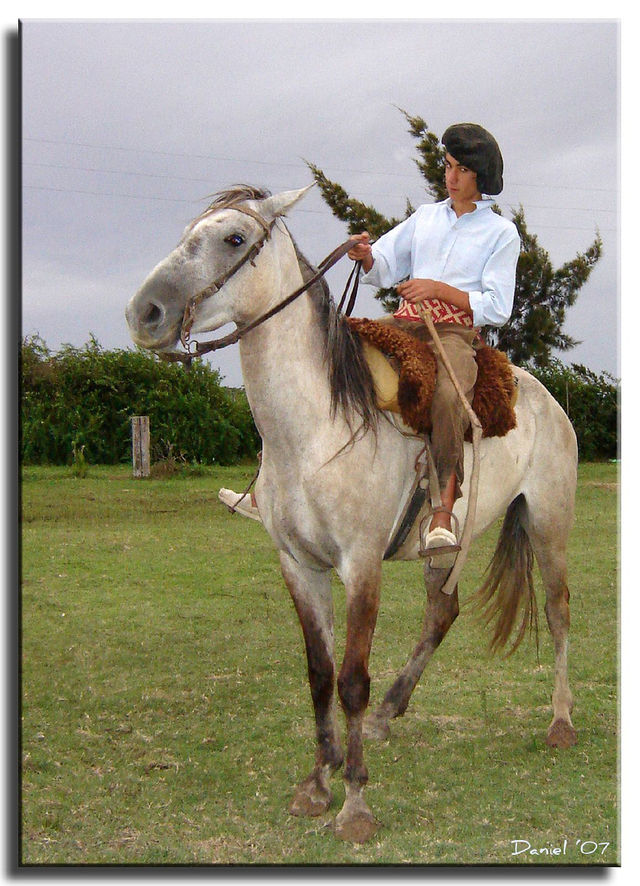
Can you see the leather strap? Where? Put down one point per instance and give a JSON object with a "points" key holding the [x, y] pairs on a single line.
{"points": [[195, 300], [230, 339]]}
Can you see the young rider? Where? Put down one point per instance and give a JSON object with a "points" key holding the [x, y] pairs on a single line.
{"points": [[458, 258]]}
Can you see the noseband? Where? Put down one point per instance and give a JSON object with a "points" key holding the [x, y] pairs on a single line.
{"points": [[194, 301]]}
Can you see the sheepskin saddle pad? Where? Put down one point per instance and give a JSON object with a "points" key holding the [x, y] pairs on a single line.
{"points": [[404, 373]]}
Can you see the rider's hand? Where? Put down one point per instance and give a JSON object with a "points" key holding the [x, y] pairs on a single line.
{"points": [[361, 248], [361, 251], [417, 290]]}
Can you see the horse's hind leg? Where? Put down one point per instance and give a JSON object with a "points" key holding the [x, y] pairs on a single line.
{"points": [[311, 594], [442, 610], [549, 546]]}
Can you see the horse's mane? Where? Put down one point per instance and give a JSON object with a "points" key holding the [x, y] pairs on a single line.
{"points": [[350, 379], [352, 388], [236, 194], [229, 198]]}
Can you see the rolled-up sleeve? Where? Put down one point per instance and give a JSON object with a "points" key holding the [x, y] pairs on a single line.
{"points": [[492, 305], [392, 256]]}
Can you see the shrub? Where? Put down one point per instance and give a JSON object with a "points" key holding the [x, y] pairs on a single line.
{"points": [[85, 397], [590, 401], [82, 400]]}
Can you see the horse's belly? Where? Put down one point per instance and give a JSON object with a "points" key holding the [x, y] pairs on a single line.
{"points": [[502, 466]]}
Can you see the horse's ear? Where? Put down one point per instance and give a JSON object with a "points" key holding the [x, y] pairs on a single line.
{"points": [[280, 204]]}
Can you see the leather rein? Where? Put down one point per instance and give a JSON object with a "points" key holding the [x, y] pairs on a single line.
{"points": [[415, 504], [194, 301]]}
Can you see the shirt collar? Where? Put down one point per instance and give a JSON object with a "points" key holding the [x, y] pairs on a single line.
{"points": [[484, 203]]}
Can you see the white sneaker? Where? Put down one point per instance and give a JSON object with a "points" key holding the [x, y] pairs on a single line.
{"points": [[240, 504], [442, 547]]}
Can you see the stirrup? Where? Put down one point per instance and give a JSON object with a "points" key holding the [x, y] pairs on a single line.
{"points": [[440, 550]]}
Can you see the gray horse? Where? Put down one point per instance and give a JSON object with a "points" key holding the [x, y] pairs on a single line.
{"points": [[335, 477]]}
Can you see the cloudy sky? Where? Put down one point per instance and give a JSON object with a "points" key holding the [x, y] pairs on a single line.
{"points": [[128, 126]]}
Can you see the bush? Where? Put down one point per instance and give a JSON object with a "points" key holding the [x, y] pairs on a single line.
{"points": [[590, 401], [84, 398]]}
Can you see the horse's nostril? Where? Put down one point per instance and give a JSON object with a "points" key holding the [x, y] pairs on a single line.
{"points": [[152, 315]]}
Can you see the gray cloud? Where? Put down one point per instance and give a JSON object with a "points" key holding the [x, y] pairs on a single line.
{"points": [[129, 125]]}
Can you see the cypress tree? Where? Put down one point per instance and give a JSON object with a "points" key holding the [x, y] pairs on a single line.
{"points": [[543, 293]]}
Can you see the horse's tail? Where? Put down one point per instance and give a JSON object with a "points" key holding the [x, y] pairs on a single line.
{"points": [[508, 588]]}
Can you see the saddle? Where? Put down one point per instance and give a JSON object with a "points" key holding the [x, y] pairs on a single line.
{"points": [[404, 374]]}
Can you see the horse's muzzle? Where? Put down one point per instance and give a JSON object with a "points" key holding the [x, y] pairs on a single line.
{"points": [[152, 323]]}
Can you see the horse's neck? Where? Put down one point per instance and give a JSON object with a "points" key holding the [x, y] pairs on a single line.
{"points": [[284, 373]]}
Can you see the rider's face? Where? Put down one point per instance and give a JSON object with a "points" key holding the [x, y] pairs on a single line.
{"points": [[461, 181]]}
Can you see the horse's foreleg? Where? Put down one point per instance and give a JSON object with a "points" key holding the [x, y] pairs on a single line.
{"points": [[355, 822], [311, 594], [442, 610]]}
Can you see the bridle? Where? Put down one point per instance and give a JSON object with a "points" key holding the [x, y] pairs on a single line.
{"points": [[194, 301]]}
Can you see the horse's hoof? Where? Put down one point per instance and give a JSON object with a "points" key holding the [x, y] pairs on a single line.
{"points": [[376, 727], [357, 828], [561, 734], [310, 799]]}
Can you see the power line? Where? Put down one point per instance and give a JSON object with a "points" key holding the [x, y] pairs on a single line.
{"points": [[282, 164], [104, 194], [170, 177], [142, 197], [167, 176], [218, 159], [185, 201], [102, 171]]}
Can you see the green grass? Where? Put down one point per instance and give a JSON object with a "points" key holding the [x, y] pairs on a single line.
{"points": [[166, 715]]}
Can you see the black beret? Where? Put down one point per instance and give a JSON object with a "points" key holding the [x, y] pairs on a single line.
{"points": [[474, 147]]}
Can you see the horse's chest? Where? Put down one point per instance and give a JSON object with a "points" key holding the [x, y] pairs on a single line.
{"points": [[303, 539]]}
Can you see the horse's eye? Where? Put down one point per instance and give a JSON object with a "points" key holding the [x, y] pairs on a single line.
{"points": [[234, 239]]}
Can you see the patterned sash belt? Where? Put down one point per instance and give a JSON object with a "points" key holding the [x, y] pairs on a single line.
{"points": [[440, 311]]}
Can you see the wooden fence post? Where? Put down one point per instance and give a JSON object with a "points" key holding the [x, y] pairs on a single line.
{"points": [[140, 445]]}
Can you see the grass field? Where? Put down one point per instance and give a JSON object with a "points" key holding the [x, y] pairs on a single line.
{"points": [[166, 715]]}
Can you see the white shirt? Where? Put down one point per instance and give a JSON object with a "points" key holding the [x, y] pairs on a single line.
{"points": [[476, 253]]}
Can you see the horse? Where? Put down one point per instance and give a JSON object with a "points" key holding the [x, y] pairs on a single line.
{"points": [[335, 476]]}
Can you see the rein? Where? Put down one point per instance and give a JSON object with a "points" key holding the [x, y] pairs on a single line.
{"points": [[233, 337], [327, 263]]}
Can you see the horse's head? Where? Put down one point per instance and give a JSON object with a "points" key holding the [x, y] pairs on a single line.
{"points": [[207, 275]]}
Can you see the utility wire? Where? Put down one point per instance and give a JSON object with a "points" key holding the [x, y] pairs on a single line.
{"points": [[196, 200], [282, 164], [169, 177]]}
